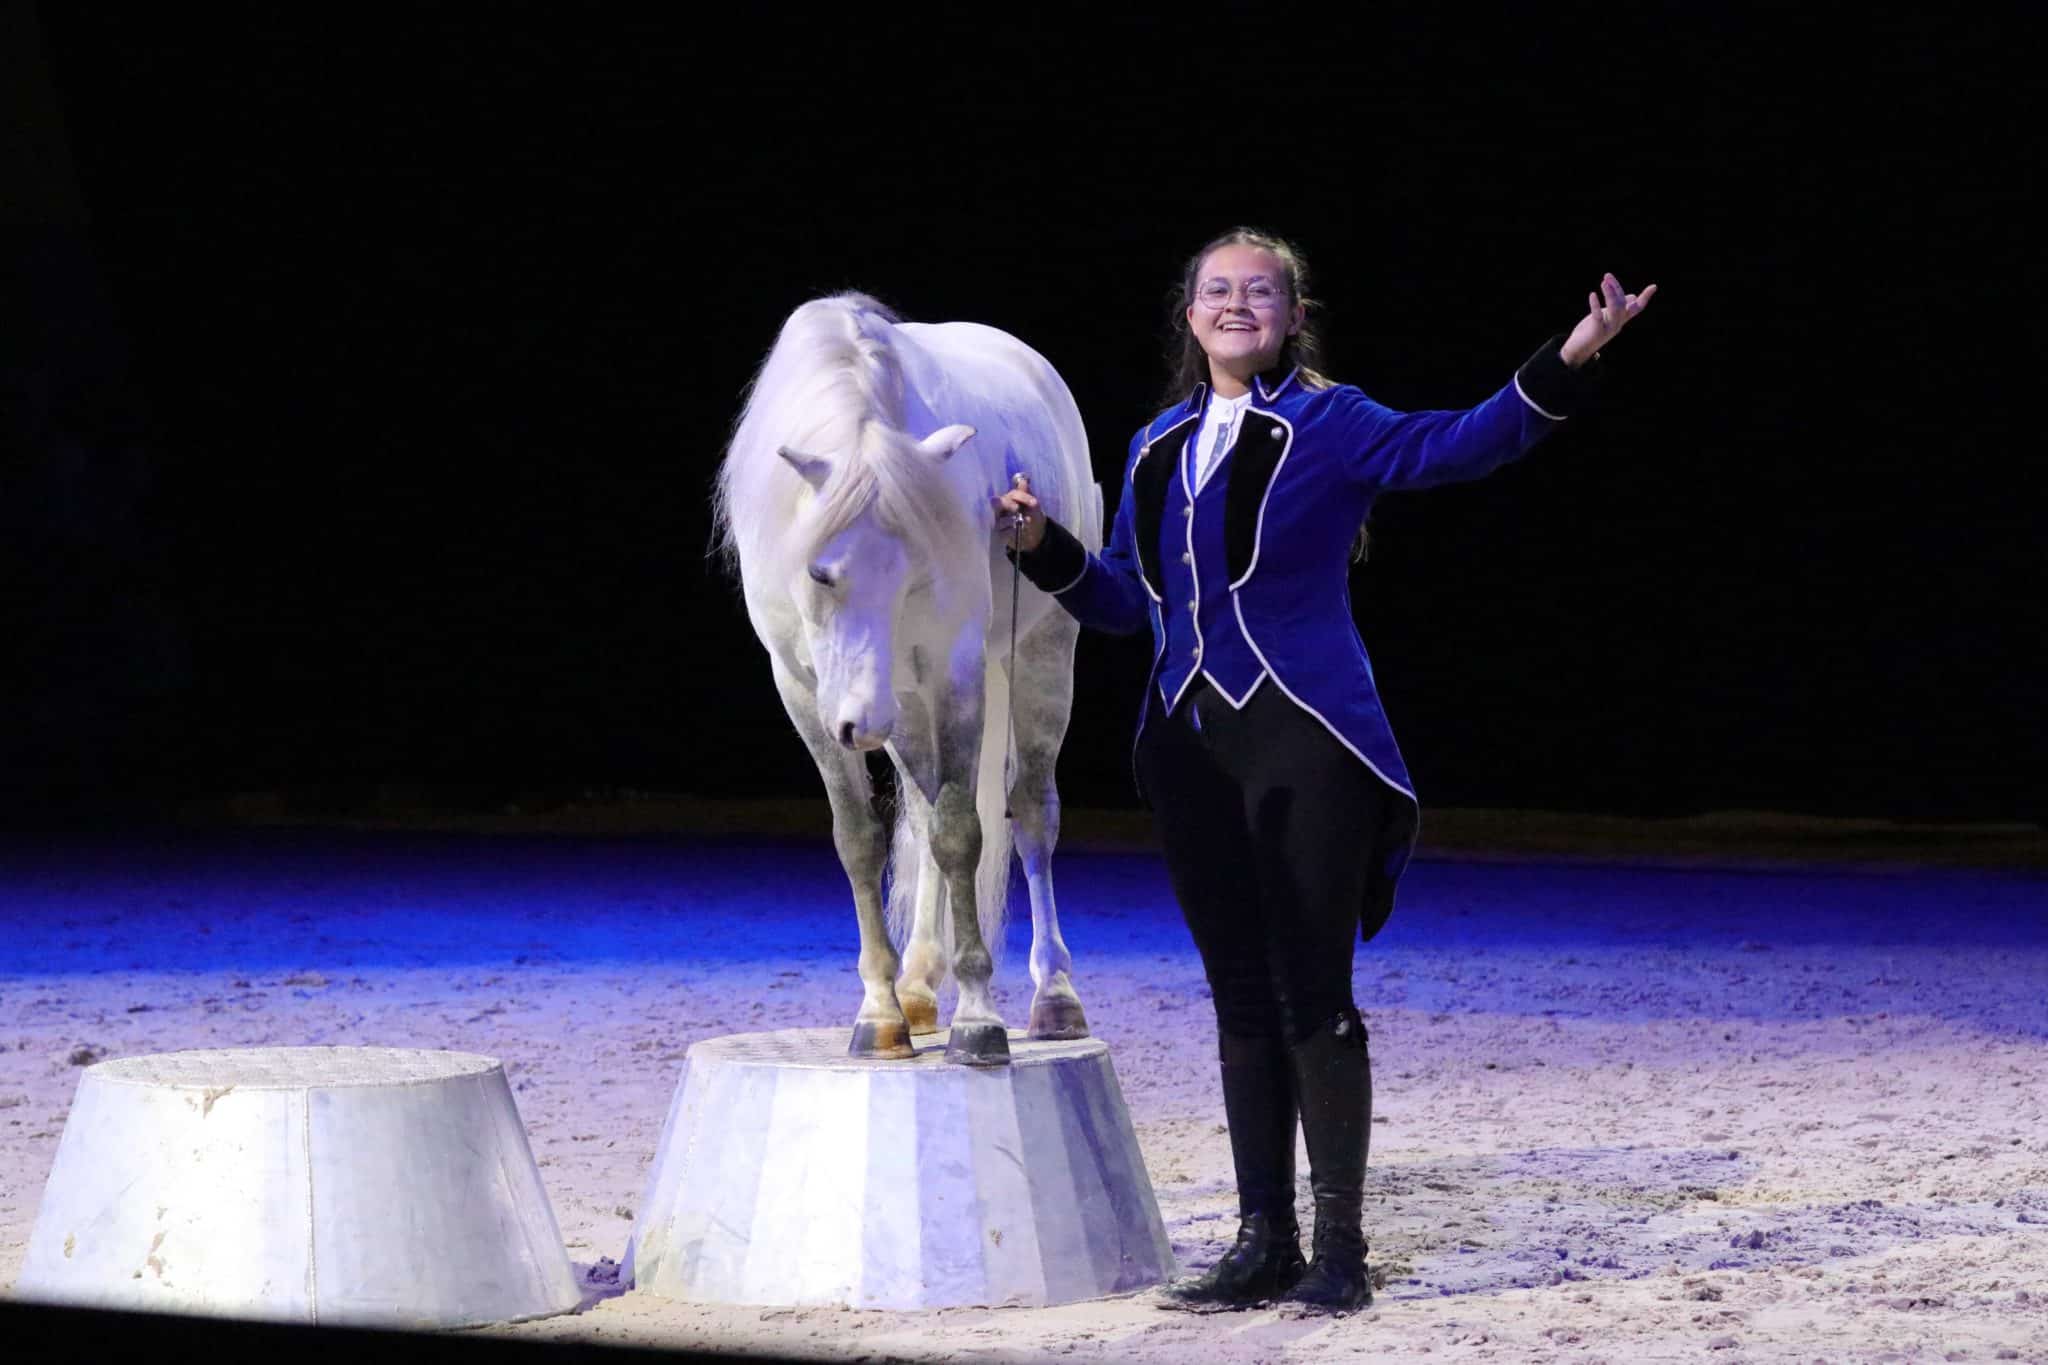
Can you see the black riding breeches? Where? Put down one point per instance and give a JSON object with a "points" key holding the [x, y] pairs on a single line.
{"points": [[1269, 826]]}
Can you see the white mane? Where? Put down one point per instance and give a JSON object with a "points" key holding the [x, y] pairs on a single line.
{"points": [[832, 386]]}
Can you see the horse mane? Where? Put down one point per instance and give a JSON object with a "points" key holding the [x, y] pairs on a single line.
{"points": [[832, 385]]}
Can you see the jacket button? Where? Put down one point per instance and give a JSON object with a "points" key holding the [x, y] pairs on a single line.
{"points": [[1186, 558], [1191, 606], [1274, 433], [1187, 511]]}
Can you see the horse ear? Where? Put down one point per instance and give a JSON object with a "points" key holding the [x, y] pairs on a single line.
{"points": [[941, 444], [814, 468]]}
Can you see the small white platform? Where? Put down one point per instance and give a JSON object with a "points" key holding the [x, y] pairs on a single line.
{"points": [[789, 1173], [373, 1186]]}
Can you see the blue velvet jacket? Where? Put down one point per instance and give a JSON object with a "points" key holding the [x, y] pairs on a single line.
{"points": [[1246, 581]]}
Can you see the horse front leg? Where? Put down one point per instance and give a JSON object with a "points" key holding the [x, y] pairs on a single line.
{"points": [[862, 842], [977, 1036], [1043, 688]]}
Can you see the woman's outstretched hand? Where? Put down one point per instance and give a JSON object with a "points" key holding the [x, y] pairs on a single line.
{"points": [[1018, 514], [1608, 311]]}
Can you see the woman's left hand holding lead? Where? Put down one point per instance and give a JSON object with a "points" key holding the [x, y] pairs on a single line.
{"points": [[1608, 311]]}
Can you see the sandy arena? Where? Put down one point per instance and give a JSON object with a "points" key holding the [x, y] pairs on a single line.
{"points": [[1624, 1113]]}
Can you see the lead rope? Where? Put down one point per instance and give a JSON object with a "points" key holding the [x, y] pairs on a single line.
{"points": [[1010, 669]]}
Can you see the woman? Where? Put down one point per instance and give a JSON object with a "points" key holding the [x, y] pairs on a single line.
{"points": [[1282, 803]]}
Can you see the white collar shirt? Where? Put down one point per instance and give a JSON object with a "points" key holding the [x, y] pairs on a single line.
{"points": [[1220, 425]]}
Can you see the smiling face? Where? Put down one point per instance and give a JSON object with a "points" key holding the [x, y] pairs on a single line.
{"points": [[1242, 314]]}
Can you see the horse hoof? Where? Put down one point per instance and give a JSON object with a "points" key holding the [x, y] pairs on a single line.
{"points": [[1058, 1020], [885, 1041], [921, 1011], [978, 1045]]}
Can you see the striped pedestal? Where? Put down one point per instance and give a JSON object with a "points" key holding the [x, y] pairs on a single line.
{"points": [[382, 1187], [789, 1173]]}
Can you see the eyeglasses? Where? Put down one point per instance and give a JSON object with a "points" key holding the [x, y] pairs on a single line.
{"points": [[1260, 294]]}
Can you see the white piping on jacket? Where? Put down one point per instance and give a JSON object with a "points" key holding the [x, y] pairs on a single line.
{"points": [[1532, 402], [1259, 527], [1280, 683]]}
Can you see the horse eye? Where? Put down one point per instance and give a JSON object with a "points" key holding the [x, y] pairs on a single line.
{"points": [[820, 577]]}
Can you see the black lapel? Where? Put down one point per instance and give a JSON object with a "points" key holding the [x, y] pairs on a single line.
{"points": [[1253, 462], [1149, 481]]}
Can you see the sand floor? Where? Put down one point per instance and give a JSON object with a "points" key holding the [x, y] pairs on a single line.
{"points": [[1623, 1113]]}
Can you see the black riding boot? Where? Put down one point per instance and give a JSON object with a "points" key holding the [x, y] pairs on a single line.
{"points": [[1333, 1081], [1258, 1103]]}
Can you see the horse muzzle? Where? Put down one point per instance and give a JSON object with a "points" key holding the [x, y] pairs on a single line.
{"points": [[862, 734]]}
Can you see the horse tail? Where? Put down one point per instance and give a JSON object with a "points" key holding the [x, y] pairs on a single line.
{"points": [[991, 802], [906, 864]]}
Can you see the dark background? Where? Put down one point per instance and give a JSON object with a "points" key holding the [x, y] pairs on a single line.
{"points": [[366, 373]]}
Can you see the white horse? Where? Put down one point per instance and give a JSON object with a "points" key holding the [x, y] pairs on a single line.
{"points": [[856, 498]]}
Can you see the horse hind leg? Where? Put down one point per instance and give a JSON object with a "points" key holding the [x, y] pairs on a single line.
{"points": [[1044, 702], [923, 885], [862, 842], [917, 894]]}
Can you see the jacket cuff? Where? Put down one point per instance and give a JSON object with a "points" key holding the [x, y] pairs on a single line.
{"points": [[1554, 388], [1058, 562]]}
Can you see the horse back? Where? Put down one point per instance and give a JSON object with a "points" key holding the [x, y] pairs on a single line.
{"points": [[983, 376]]}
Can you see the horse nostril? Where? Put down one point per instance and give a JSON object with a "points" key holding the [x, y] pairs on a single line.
{"points": [[846, 734]]}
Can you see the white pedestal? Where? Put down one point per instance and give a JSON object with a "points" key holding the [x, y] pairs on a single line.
{"points": [[373, 1186], [790, 1173]]}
